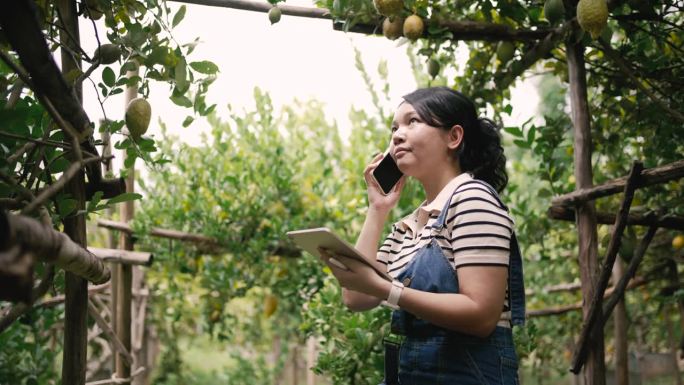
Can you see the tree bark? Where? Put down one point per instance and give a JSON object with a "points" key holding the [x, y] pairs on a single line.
{"points": [[594, 370], [76, 288]]}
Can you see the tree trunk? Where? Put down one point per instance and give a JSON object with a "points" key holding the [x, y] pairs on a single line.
{"points": [[76, 288], [620, 323], [594, 369]]}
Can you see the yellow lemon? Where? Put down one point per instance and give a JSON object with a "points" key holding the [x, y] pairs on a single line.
{"points": [[592, 16], [270, 305], [413, 27], [392, 29], [678, 242]]}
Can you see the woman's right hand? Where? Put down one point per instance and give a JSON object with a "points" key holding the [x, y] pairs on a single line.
{"points": [[376, 199]]}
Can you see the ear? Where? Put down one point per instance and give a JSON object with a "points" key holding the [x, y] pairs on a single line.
{"points": [[455, 137]]}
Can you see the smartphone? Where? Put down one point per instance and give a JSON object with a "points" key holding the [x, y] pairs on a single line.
{"points": [[387, 174]]}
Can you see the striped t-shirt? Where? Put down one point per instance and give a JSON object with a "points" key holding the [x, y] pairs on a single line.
{"points": [[477, 231]]}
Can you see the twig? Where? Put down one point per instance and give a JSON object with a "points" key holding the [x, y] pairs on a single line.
{"points": [[45, 142], [114, 340], [17, 88], [59, 184], [21, 151], [595, 309]]}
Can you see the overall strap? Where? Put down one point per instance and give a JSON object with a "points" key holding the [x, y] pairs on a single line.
{"points": [[516, 285]]}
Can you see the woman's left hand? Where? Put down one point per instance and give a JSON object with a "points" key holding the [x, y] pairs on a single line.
{"points": [[357, 276]]}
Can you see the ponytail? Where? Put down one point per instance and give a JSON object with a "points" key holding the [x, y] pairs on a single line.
{"points": [[483, 155]]}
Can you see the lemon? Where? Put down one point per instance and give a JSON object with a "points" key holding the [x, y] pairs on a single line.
{"points": [[274, 15], [107, 53], [413, 27], [505, 51], [388, 7], [270, 305], [592, 16], [392, 29], [433, 68], [138, 113], [678, 242], [554, 11]]}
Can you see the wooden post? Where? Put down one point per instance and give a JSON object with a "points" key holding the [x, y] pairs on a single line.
{"points": [[310, 360], [620, 323], [112, 244], [76, 288], [594, 370], [125, 274]]}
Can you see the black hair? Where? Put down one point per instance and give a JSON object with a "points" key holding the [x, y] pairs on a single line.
{"points": [[480, 152]]}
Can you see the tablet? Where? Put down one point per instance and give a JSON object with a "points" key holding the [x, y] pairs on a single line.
{"points": [[311, 239]]}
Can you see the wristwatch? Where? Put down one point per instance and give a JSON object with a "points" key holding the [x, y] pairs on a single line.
{"points": [[394, 294]]}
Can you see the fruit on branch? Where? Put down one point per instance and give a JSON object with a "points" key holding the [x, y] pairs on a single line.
{"points": [[270, 305], [107, 53], [678, 242], [413, 27], [392, 29], [433, 68], [138, 113], [592, 16], [274, 15], [554, 11], [505, 51], [389, 7]]}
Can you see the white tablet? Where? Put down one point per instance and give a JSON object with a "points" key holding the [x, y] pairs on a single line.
{"points": [[311, 239]]}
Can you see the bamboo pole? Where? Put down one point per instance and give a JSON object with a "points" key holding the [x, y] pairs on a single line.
{"points": [[125, 283], [594, 373], [123, 256]]}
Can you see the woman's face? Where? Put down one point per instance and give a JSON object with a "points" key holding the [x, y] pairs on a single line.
{"points": [[418, 148]]}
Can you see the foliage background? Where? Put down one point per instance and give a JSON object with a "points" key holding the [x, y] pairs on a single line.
{"points": [[262, 172]]}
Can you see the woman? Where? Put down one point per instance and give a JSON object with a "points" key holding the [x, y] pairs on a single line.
{"points": [[455, 262]]}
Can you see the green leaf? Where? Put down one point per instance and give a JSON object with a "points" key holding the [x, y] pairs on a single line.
{"points": [[205, 67], [66, 207], [181, 100], [181, 75], [108, 76], [178, 17], [92, 205], [188, 120], [515, 131], [125, 197]]}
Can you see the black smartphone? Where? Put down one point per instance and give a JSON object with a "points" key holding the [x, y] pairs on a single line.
{"points": [[387, 174]]}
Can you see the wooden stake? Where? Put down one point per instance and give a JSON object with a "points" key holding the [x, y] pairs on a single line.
{"points": [[594, 315], [586, 217], [620, 324]]}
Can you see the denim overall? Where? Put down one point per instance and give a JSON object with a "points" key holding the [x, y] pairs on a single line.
{"points": [[431, 355]]}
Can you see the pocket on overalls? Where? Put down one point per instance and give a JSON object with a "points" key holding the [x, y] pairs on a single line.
{"points": [[509, 365]]}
